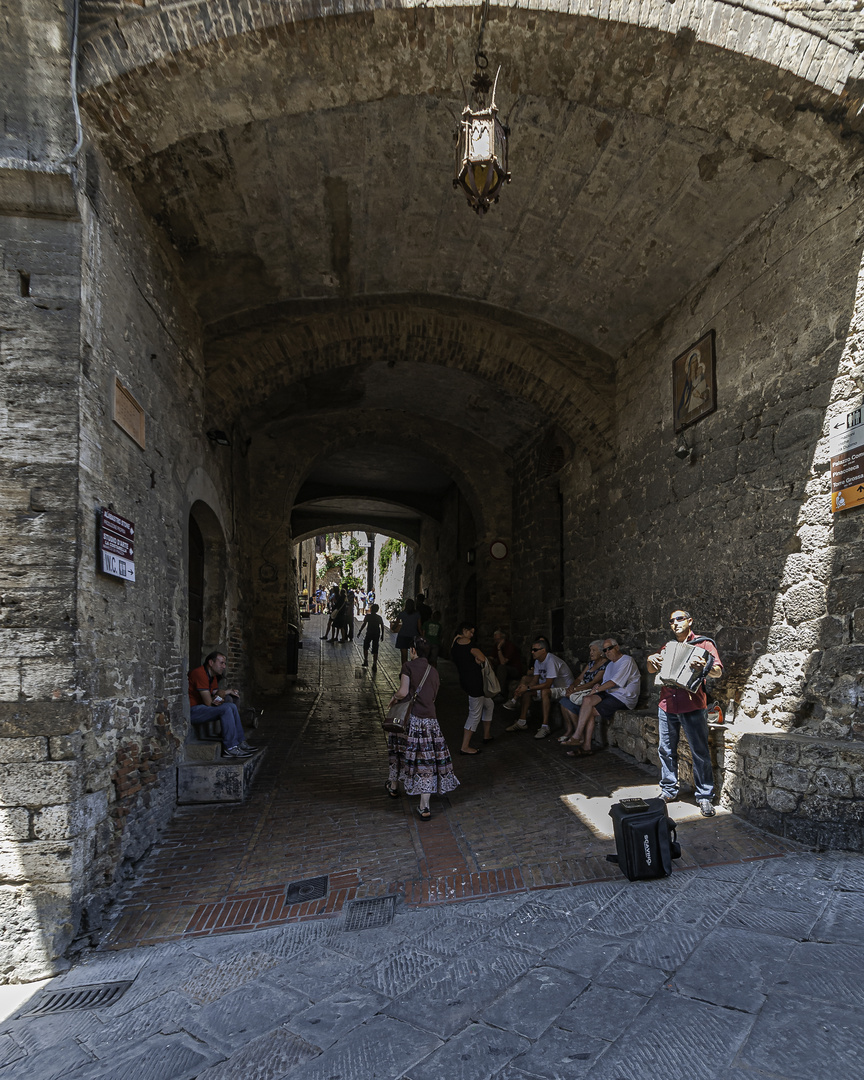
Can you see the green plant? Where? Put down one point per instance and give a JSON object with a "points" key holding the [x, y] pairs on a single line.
{"points": [[389, 549]]}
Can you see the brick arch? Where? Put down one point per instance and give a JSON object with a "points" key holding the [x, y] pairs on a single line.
{"points": [[140, 71], [268, 370], [439, 441]]}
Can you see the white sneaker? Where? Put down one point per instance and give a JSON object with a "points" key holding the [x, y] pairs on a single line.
{"points": [[520, 725], [542, 733], [511, 704]]}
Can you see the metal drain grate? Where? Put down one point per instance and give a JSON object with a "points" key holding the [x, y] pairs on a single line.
{"points": [[311, 889], [366, 914], [78, 997]]}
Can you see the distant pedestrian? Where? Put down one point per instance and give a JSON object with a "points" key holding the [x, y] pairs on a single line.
{"points": [[421, 761], [410, 626], [373, 624], [469, 661], [432, 633]]}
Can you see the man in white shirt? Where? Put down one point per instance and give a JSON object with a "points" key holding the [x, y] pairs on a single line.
{"points": [[619, 690], [549, 682]]}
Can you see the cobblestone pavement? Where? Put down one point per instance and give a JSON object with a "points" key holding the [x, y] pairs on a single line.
{"points": [[748, 970], [318, 807], [749, 967]]}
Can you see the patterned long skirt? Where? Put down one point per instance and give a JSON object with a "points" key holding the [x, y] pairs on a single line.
{"points": [[421, 761]]}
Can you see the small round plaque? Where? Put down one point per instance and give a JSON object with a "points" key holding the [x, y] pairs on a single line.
{"points": [[498, 550]]}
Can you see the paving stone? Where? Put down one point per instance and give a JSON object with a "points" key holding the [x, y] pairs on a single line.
{"points": [[370, 945], [398, 974], [535, 926], [798, 1037], [831, 984], [829, 957], [676, 1037], [586, 953], [789, 924], [36, 1033], [165, 970], [447, 998], [177, 1057], [630, 912], [167, 1013], [381, 1049], [451, 934], [842, 919], [316, 972], [735, 968], [477, 1053], [243, 1014], [295, 938], [625, 975], [9, 1051], [218, 979], [664, 945], [602, 1012], [266, 1058], [332, 1017], [531, 1004], [561, 1055], [49, 1064]]}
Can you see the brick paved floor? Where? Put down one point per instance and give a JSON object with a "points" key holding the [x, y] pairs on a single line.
{"points": [[318, 807]]}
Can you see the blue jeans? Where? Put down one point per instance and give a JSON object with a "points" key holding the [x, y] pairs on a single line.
{"points": [[227, 715], [695, 726]]}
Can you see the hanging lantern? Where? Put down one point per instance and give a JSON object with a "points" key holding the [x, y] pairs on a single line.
{"points": [[481, 145]]}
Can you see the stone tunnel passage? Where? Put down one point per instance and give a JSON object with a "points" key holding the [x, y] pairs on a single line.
{"points": [[318, 807]]}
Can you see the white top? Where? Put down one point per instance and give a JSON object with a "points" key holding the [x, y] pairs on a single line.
{"points": [[553, 667], [625, 673]]}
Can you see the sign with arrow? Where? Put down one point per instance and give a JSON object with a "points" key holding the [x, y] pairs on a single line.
{"points": [[847, 460]]}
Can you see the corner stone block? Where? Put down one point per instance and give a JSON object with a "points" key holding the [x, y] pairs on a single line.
{"points": [[14, 750], [36, 931], [14, 823], [69, 820], [39, 784], [40, 862]]}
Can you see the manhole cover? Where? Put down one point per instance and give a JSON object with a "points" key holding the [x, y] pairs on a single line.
{"points": [[311, 889], [365, 914], [78, 997]]}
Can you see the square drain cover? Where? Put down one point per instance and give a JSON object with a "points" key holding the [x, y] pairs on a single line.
{"points": [[311, 889], [366, 914], [78, 997]]}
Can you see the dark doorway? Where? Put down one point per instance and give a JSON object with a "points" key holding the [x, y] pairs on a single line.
{"points": [[469, 599], [196, 593]]}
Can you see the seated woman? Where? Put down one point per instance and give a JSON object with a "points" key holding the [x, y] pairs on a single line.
{"points": [[590, 675]]}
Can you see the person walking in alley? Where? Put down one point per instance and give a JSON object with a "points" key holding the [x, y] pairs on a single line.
{"points": [[420, 761]]}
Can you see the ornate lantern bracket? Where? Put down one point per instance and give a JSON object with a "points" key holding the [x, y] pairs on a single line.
{"points": [[481, 143]]}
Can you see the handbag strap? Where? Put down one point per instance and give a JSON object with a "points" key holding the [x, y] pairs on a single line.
{"points": [[420, 684]]}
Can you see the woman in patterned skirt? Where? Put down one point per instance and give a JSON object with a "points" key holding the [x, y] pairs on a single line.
{"points": [[421, 761]]}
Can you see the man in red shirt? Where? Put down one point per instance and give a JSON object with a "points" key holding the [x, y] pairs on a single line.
{"points": [[505, 660], [207, 702], [679, 708]]}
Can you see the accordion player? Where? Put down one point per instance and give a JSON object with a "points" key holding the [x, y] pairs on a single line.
{"points": [[676, 669]]}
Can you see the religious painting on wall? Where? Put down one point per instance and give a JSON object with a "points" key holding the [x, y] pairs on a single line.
{"points": [[694, 382]]}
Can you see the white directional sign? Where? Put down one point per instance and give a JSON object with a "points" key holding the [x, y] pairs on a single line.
{"points": [[116, 545], [847, 460]]}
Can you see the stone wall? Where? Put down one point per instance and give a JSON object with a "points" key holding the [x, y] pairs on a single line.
{"points": [[809, 789]]}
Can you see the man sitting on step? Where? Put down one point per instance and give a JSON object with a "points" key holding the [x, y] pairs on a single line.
{"points": [[548, 682], [207, 702]]}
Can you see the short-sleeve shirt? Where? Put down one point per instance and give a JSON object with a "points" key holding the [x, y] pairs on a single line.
{"points": [[675, 700], [199, 680], [553, 667], [432, 632], [512, 657], [625, 673], [424, 706]]}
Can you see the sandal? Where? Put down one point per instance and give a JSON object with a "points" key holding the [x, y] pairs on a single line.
{"points": [[423, 814], [579, 753], [393, 794]]}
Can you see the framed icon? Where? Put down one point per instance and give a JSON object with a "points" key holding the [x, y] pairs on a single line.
{"points": [[694, 382]]}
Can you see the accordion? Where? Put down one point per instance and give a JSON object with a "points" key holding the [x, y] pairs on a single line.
{"points": [[676, 670]]}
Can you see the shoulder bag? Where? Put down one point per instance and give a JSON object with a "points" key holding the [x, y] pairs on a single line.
{"points": [[491, 686], [395, 720]]}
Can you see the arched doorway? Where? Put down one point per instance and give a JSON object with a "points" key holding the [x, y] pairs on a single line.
{"points": [[206, 583]]}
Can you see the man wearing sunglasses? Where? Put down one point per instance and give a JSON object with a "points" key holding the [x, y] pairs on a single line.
{"points": [[681, 709], [548, 682]]}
